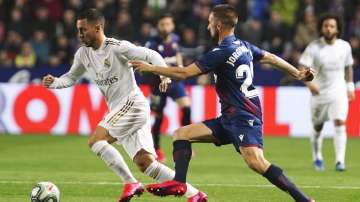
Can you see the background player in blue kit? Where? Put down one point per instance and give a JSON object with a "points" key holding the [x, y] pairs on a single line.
{"points": [[241, 119], [166, 43]]}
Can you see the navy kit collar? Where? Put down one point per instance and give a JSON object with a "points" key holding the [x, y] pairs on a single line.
{"points": [[229, 39]]}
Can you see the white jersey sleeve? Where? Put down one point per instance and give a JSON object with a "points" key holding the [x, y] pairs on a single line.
{"points": [[77, 69], [307, 58], [133, 52], [349, 59]]}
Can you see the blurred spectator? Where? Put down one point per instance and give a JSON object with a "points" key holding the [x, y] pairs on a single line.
{"points": [[276, 34], [54, 8], [5, 61], [2, 33], [146, 31], [241, 7], [260, 9], [157, 6], [27, 57], [12, 44], [75, 5], [43, 22], [201, 24], [189, 47], [67, 25], [286, 9], [17, 23], [40, 44], [305, 31], [250, 31], [61, 52], [122, 29]]}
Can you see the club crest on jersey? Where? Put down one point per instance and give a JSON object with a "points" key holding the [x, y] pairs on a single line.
{"points": [[107, 63]]}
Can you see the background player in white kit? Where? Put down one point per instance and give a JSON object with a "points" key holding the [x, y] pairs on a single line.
{"points": [[331, 89], [128, 122]]}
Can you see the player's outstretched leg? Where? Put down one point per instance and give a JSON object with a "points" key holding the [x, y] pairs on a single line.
{"points": [[182, 154], [161, 173], [254, 158], [99, 144]]}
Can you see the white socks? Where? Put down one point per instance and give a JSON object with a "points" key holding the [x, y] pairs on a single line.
{"points": [[114, 160], [340, 143], [162, 173], [316, 143]]}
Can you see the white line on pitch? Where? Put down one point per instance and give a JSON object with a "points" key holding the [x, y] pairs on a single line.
{"points": [[196, 184]]}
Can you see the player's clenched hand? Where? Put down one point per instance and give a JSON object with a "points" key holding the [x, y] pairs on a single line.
{"points": [[306, 74], [164, 84], [141, 66], [47, 80], [351, 95]]}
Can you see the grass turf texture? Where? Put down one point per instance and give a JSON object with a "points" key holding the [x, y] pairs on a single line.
{"points": [[220, 172]]}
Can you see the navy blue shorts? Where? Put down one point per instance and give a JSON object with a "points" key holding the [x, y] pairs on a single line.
{"points": [[238, 131], [158, 99]]}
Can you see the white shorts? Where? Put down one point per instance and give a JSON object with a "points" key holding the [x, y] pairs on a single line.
{"points": [[129, 123], [334, 110]]}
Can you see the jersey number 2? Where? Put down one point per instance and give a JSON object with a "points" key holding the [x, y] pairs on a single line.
{"points": [[249, 72]]}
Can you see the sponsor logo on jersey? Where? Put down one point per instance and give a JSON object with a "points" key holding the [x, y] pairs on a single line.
{"points": [[107, 63], [251, 122], [107, 82]]}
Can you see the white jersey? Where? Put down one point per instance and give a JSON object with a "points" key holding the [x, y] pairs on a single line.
{"points": [[329, 61], [108, 67]]}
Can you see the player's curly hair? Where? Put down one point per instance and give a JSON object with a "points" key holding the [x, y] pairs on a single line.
{"points": [[326, 16]]}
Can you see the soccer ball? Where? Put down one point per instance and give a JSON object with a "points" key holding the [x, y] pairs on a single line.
{"points": [[45, 192]]}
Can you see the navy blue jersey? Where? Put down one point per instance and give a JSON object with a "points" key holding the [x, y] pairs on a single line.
{"points": [[232, 63], [167, 50]]}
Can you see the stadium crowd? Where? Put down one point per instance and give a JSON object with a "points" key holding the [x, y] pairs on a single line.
{"points": [[37, 33]]}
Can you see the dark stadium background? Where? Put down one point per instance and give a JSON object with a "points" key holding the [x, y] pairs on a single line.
{"points": [[44, 30]]}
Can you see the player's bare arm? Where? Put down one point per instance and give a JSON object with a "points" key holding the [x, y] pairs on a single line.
{"points": [[312, 87], [177, 73], [350, 82], [306, 74]]}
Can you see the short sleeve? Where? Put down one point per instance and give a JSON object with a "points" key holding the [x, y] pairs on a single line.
{"points": [[307, 57], [256, 52], [209, 61], [349, 59]]}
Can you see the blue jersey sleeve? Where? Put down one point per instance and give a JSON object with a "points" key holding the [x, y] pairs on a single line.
{"points": [[209, 61], [255, 51]]}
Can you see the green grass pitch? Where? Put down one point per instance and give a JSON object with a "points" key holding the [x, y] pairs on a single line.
{"points": [[220, 172]]}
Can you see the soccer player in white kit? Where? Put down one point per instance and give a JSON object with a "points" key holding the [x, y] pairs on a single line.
{"points": [[332, 88], [128, 122]]}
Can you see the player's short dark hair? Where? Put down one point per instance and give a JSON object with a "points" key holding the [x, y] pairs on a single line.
{"points": [[226, 14], [327, 16], [165, 15], [92, 15]]}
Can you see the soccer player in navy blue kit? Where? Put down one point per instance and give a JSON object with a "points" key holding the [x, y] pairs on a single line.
{"points": [[166, 43], [241, 119]]}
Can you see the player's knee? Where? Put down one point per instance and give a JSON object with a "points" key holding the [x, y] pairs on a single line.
{"points": [[181, 134], [338, 122], [318, 128]]}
